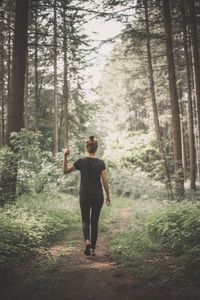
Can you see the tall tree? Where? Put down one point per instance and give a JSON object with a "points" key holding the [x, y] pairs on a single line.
{"points": [[36, 72], [16, 100], [179, 178], [154, 104], [2, 75], [56, 133], [196, 62], [26, 106], [189, 101], [9, 51], [66, 83]]}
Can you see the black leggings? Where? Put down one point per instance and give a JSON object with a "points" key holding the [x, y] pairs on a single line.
{"points": [[90, 212]]}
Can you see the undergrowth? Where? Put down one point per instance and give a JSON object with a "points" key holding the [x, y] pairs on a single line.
{"points": [[34, 223], [163, 236]]}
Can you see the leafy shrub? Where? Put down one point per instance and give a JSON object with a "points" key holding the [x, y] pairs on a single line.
{"points": [[68, 183], [139, 150], [7, 175], [33, 223], [132, 247], [177, 227], [20, 232], [31, 159], [172, 228], [130, 182], [39, 169]]}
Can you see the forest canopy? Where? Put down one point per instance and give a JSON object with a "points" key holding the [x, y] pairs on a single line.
{"points": [[140, 98], [145, 110]]}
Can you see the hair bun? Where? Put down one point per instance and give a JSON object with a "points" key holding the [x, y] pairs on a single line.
{"points": [[91, 144], [91, 138]]}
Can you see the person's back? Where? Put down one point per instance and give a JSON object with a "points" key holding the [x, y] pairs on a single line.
{"points": [[91, 170]]}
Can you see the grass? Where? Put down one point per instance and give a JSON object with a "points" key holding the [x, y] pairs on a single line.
{"points": [[160, 240], [132, 245], [140, 231], [34, 223]]}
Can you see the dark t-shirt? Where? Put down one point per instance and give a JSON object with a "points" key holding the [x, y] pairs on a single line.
{"points": [[90, 168]]}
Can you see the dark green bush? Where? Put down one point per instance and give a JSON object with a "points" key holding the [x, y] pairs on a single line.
{"points": [[39, 169], [132, 182], [33, 223], [7, 175], [177, 227], [173, 228], [31, 160], [132, 247]]}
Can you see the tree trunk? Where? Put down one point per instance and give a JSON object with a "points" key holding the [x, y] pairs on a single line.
{"points": [[66, 85], [55, 83], [183, 134], [9, 54], [179, 180], [36, 121], [2, 73], [189, 102], [154, 106], [16, 101], [195, 55], [26, 108]]}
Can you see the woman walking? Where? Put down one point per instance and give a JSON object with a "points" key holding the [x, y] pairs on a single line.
{"points": [[92, 170]]}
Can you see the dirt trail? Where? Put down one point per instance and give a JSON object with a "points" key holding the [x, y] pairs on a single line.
{"points": [[76, 277]]}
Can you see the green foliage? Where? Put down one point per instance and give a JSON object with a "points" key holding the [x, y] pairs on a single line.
{"points": [[145, 155], [132, 247], [7, 174], [37, 169], [33, 223], [172, 228], [68, 183], [27, 146], [132, 182], [177, 227], [139, 150]]}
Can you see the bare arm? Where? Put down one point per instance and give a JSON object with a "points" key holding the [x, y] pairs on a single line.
{"points": [[66, 168], [104, 176]]}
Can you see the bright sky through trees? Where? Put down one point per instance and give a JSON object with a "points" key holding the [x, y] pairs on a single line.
{"points": [[100, 31]]}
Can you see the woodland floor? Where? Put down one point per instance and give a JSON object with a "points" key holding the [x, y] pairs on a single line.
{"points": [[66, 274]]}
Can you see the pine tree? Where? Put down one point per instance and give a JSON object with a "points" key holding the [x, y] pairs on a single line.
{"points": [[174, 102]]}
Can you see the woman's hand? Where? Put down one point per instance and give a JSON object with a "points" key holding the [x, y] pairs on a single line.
{"points": [[66, 152], [107, 201]]}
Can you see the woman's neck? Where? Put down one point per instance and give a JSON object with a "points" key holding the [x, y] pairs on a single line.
{"points": [[92, 155]]}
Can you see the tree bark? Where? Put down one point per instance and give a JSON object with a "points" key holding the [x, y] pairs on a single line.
{"points": [[2, 73], [195, 55], [9, 54], [16, 101], [179, 179], [154, 106], [26, 106], [36, 115], [66, 84], [55, 82], [183, 134], [191, 136]]}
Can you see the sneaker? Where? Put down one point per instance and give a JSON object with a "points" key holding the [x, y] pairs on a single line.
{"points": [[87, 250], [93, 253]]}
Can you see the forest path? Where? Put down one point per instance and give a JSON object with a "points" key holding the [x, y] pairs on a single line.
{"points": [[70, 275]]}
